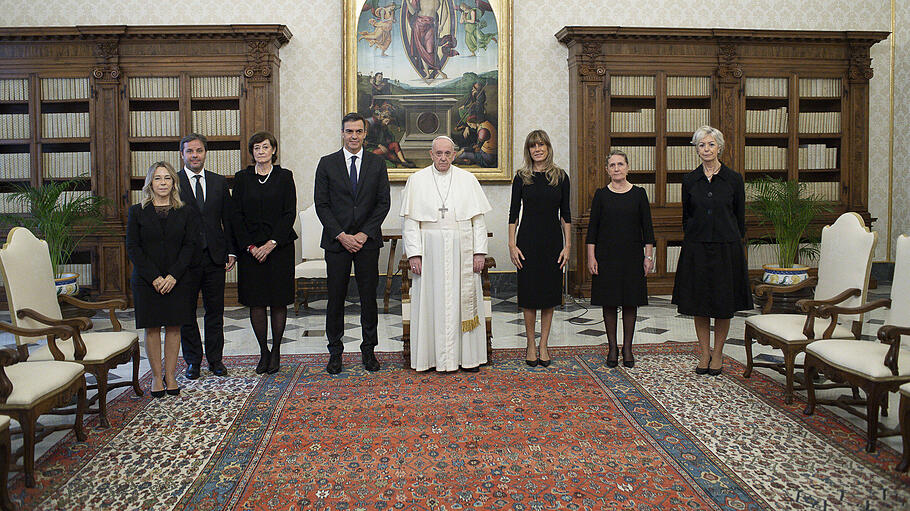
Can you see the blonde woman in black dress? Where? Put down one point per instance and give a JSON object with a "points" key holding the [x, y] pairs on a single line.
{"points": [[265, 204], [162, 243], [540, 250], [620, 246]]}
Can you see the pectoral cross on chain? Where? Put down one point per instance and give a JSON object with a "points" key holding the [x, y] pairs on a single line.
{"points": [[443, 210]]}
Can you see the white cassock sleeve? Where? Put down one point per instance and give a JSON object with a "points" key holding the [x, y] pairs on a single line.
{"points": [[479, 226], [410, 236]]}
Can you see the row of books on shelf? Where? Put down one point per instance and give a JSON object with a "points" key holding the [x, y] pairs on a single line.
{"points": [[773, 120], [820, 87], [214, 86], [774, 87], [632, 85], [157, 87], [65, 88], [641, 157], [765, 158], [687, 119], [637, 121], [217, 122], [15, 166], [825, 190], [8, 206], [682, 157], [15, 89], [221, 161], [688, 86], [65, 125], [817, 156], [819, 122], [14, 126], [84, 271], [154, 123], [67, 165], [674, 191]]}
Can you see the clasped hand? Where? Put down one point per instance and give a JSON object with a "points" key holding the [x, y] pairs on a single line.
{"points": [[352, 242], [260, 253], [164, 285]]}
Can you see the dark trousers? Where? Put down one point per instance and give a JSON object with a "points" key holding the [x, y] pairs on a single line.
{"points": [[366, 273], [208, 278]]}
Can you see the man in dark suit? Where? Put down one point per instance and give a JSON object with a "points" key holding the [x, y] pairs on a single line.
{"points": [[352, 200], [207, 193]]}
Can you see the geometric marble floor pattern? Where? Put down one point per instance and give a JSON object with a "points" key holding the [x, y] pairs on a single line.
{"points": [[575, 435], [575, 325]]}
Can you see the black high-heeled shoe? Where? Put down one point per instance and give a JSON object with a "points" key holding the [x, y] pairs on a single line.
{"points": [[544, 363], [715, 372], [613, 358], [263, 364], [157, 393], [171, 392], [703, 370], [532, 363], [274, 362]]}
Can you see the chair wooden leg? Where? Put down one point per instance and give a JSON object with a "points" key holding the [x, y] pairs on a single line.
{"points": [[5, 503], [790, 363], [873, 402], [306, 298], [810, 372], [905, 434], [28, 450], [101, 378], [296, 297], [81, 405], [747, 343], [136, 358]]}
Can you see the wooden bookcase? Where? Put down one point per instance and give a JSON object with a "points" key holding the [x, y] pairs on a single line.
{"points": [[99, 104], [792, 104]]}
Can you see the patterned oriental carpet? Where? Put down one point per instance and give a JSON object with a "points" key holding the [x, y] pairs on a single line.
{"points": [[576, 435]]}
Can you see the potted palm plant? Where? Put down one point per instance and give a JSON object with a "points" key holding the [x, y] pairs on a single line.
{"points": [[789, 207], [62, 219]]}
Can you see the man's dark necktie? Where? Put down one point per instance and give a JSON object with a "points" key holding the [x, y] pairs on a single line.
{"points": [[200, 200], [354, 174]]}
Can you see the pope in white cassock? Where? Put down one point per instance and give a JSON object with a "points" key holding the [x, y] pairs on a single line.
{"points": [[445, 239]]}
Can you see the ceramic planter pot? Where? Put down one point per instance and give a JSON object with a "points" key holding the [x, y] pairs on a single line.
{"points": [[784, 276], [67, 283]]}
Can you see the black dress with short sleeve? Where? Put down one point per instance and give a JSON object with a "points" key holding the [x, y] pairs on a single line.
{"points": [[540, 238], [619, 228]]}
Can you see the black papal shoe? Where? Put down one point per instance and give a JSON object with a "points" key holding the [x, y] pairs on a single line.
{"points": [[369, 362], [192, 371], [475, 369], [334, 365]]}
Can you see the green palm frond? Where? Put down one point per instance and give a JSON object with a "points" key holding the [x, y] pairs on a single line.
{"points": [[63, 220], [789, 207]]}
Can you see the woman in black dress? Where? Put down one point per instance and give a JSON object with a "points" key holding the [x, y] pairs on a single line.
{"points": [[712, 277], [162, 243], [620, 247], [540, 252], [265, 203]]}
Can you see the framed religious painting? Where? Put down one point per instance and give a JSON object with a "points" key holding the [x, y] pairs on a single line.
{"points": [[418, 69]]}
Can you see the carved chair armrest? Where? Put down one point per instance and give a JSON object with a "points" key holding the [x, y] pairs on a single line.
{"points": [[8, 357], [774, 289], [79, 323], [52, 333], [806, 304], [891, 334], [827, 311], [111, 305]]}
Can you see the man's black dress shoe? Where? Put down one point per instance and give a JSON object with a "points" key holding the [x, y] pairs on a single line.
{"points": [[334, 366], [192, 371], [369, 362], [218, 369]]}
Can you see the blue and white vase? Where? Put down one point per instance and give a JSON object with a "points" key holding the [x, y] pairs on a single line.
{"points": [[784, 276], [67, 283]]}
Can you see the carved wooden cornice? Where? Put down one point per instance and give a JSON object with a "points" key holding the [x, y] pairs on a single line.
{"points": [[860, 67], [277, 33], [572, 34], [108, 53]]}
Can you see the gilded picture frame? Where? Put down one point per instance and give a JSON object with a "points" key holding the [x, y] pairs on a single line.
{"points": [[417, 69]]}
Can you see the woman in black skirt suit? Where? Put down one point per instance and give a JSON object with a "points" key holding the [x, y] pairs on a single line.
{"points": [[620, 247], [162, 243], [712, 277], [265, 203], [540, 252]]}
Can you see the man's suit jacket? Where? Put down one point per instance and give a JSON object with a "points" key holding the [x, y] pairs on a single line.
{"points": [[340, 210], [216, 214]]}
